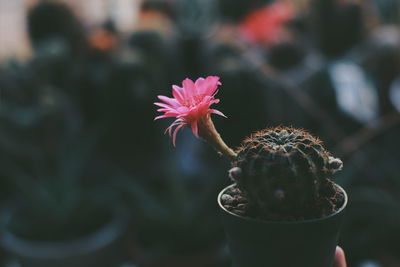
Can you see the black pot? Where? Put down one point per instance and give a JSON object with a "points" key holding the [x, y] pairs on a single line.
{"points": [[103, 248], [308, 243]]}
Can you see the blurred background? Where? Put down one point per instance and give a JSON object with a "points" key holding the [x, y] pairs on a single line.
{"points": [[87, 178]]}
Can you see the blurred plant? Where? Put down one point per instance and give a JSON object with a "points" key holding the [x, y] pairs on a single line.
{"points": [[371, 229], [54, 20], [388, 10], [339, 25], [56, 202], [196, 18], [46, 155], [104, 38], [153, 52], [381, 61], [236, 10], [174, 214], [266, 26]]}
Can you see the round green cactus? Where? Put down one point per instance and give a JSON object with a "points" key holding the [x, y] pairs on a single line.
{"points": [[285, 174]]}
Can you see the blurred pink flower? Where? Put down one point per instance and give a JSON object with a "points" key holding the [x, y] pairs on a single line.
{"points": [[265, 25], [190, 104]]}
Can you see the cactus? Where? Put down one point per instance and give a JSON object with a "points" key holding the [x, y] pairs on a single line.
{"points": [[284, 173], [280, 173]]}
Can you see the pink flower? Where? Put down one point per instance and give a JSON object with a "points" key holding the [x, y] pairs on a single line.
{"points": [[266, 25], [190, 104]]}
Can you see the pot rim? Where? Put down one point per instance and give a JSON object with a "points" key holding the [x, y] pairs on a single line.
{"points": [[282, 222]]}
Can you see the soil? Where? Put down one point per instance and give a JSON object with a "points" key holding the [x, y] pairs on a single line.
{"points": [[236, 202]]}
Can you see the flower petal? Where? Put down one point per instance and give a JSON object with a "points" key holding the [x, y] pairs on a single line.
{"points": [[183, 109], [214, 111], [166, 115], [175, 123], [175, 132], [212, 84], [163, 110], [163, 105], [189, 87], [194, 127], [201, 85], [168, 100], [160, 117], [178, 94]]}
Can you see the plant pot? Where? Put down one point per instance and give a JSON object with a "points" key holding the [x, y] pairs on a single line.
{"points": [[308, 243], [105, 247]]}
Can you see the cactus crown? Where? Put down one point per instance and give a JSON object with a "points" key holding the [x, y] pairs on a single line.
{"points": [[284, 174]]}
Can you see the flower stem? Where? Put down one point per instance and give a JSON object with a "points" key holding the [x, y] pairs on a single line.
{"points": [[208, 132]]}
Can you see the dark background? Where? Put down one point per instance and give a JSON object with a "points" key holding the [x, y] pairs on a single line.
{"points": [[79, 147]]}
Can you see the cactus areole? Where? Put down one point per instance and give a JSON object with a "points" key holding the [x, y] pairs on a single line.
{"points": [[281, 174]]}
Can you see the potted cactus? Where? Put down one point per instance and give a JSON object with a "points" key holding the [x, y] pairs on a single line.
{"points": [[283, 208]]}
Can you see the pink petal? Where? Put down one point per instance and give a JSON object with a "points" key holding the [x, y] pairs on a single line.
{"points": [[195, 128], [175, 123], [215, 92], [163, 105], [168, 130], [189, 88], [209, 100], [201, 110], [166, 115], [175, 132], [201, 85], [171, 113], [214, 111], [160, 117], [168, 100], [183, 109], [214, 101], [212, 84], [178, 94], [206, 99]]}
